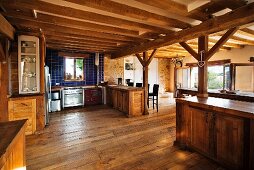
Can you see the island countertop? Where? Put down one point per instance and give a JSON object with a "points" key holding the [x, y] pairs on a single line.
{"points": [[245, 109], [125, 88], [8, 132]]}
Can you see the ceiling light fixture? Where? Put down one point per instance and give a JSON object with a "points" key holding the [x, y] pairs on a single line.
{"points": [[35, 13]]}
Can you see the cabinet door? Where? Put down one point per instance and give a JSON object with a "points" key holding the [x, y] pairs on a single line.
{"points": [[230, 140], [114, 98], [109, 96], [199, 129], [125, 102], [120, 100], [24, 109]]}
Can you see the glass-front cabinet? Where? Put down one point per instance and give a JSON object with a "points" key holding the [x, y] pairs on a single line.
{"points": [[29, 66]]}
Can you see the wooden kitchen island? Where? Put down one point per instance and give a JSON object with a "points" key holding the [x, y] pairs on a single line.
{"points": [[12, 145], [129, 100], [220, 129]]}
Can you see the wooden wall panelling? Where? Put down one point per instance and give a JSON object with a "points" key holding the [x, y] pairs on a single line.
{"points": [[40, 112]]}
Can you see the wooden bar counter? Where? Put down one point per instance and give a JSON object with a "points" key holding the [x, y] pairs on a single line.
{"points": [[129, 100], [12, 145], [220, 129]]}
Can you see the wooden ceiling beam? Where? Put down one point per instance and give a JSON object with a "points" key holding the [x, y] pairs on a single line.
{"points": [[242, 40], [62, 47], [45, 7], [6, 28], [52, 27], [67, 54], [72, 23], [221, 42], [240, 16], [189, 49], [81, 46], [85, 37], [48, 38], [125, 10]]}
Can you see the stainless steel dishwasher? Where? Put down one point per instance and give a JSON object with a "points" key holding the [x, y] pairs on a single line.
{"points": [[73, 97]]}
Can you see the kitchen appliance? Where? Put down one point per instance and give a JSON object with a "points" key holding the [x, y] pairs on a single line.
{"points": [[73, 97], [55, 103], [47, 94]]}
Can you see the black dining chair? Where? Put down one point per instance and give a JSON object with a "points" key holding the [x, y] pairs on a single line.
{"points": [[154, 96], [130, 84], [139, 84]]}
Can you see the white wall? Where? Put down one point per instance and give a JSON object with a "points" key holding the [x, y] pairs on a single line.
{"points": [[137, 74]]}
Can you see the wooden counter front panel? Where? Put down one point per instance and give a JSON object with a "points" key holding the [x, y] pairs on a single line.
{"points": [[24, 109], [230, 137], [200, 130], [136, 103]]}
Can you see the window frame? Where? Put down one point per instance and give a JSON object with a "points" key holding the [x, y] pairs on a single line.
{"points": [[75, 76]]}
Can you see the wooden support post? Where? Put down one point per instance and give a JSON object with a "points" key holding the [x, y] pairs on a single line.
{"points": [[145, 81], [145, 63], [202, 71], [42, 63]]}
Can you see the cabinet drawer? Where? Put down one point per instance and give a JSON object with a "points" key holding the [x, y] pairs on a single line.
{"points": [[22, 104]]}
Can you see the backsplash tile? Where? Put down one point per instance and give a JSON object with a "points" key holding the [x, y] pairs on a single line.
{"points": [[56, 69]]}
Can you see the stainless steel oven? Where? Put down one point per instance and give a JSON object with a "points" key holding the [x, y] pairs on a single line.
{"points": [[73, 97]]}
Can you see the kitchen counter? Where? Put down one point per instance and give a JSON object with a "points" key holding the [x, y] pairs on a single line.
{"points": [[12, 144], [125, 88], [221, 129], [241, 96], [58, 88], [246, 109], [129, 100]]}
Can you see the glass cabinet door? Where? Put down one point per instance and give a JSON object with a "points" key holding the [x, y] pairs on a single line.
{"points": [[28, 64]]}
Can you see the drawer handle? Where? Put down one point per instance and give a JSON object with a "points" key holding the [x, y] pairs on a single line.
{"points": [[24, 104]]}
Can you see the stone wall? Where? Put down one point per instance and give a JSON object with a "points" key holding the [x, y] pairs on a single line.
{"points": [[164, 74], [113, 69]]}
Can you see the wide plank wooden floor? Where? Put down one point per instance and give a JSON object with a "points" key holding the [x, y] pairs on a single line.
{"points": [[99, 137]]}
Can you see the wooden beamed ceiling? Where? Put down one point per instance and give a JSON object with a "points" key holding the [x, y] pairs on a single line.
{"points": [[122, 28]]}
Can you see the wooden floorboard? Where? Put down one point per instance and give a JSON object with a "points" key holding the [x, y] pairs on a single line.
{"points": [[99, 137]]}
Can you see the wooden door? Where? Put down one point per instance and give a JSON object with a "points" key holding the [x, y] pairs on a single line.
{"points": [[229, 139], [199, 129]]}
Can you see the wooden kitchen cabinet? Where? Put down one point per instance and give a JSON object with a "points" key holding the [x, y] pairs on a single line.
{"points": [[129, 100], [220, 129], [93, 96], [24, 109], [229, 141]]}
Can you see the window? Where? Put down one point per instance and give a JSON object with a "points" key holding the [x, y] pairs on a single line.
{"points": [[216, 77], [244, 78], [74, 69]]}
